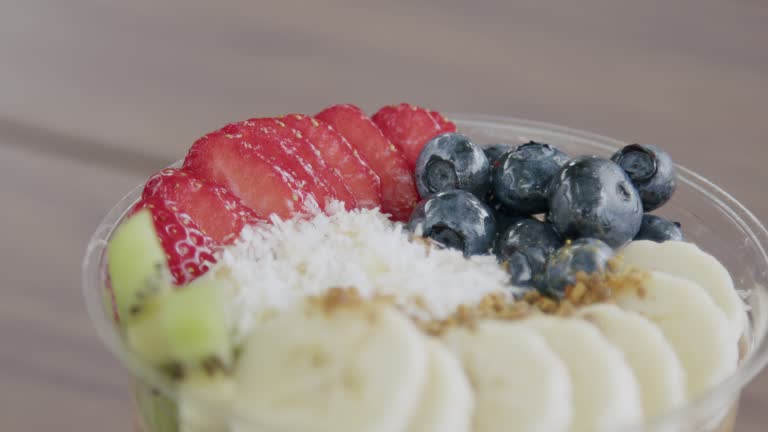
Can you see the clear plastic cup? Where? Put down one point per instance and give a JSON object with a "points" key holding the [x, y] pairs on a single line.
{"points": [[710, 218]]}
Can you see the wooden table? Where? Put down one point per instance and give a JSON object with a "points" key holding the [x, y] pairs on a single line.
{"points": [[96, 95]]}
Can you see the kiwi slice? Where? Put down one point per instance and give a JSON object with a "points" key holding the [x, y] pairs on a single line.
{"points": [[158, 413], [138, 269], [205, 403], [184, 330]]}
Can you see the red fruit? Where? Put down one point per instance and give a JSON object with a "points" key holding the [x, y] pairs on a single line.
{"points": [[217, 211], [445, 124], [410, 127], [189, 250], [341, 157], [398, 190], [302, 157], [228, 157]]}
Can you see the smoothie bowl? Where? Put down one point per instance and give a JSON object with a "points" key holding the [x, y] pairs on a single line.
{"points": [[407, 272]]}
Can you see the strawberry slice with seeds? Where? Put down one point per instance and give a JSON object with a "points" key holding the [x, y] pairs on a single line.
{"points": [[217, 211], [302, 157], [409, 127], [189, 251], [445, 124], [228, 157], [340, 157], [272, 138], [398, 190]]}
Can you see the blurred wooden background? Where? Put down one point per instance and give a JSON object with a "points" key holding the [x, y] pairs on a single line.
{"points": [[95, 95]]}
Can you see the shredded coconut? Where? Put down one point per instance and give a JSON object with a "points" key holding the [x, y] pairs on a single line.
{"points": [[275, 265]]}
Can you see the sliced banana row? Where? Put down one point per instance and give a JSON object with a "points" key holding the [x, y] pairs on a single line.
{"points": [[520, 384], [687, 261], [366, 368]]}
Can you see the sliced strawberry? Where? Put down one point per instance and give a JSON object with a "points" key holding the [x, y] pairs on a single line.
{"points": [[229, 158], [217, 211], [341, 157], [301, 156], [445, 124], [189, 250], [409, 128], [398, 190]]}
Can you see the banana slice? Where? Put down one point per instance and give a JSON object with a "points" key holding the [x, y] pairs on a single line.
{"points": [[605, 392], [687, 261], [658, 370], [350, 367], [520, 384], [448, 402], [694, 326]]}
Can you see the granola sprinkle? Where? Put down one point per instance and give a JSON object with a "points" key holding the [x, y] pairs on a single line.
{"points": [[588, 289]]}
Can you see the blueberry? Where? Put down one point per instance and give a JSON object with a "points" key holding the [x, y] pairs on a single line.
{"points": [[494, 151], [593, 197], [451, 161], [586, 255], [519, 269], [504, 221], [457, 219], [651, 171], [520, 177], [530, 238], [658, 229]]}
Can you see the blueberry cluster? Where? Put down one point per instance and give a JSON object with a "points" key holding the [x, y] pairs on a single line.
{"points": [[544, 215]]}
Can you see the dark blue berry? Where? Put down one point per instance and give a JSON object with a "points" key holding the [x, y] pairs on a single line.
{"points": [[519, 269], [520, 177], [593, 197], [457, 219], [658, 229], [651, 171], [586, 255], [504, 221], [451, 161], [530, 238], [494, 151]]}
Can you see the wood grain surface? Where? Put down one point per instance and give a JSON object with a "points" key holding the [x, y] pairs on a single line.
{"points": [[96, 95]]}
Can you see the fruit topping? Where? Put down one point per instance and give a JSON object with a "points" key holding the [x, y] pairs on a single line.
{"points": [[658, 229], [184, 331], [456, 219], [662, 387], [527, 245], [521, 177], [500, 369], [179, 330], [593, 197], [694, 326], [158, 412], [504, 221], [585, 255], [688, 261], [189, 251], [444, 124], [448, 402], [605, 393], [217, 212], [494, 151], [409, 127], [138, 267], [231, 158], [341, 157], [652, 172], [451, 161], [398, 190], [341, 365], [272, 137]]}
